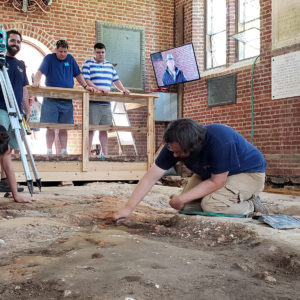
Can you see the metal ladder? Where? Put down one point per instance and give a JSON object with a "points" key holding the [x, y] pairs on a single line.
{"points": [[120, 118]]}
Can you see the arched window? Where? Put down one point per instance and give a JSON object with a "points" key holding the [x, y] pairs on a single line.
{"points": [[32, 53]]}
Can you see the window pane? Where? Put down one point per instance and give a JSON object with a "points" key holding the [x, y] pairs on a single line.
{"points": [[252, 48], [219, 49], [218, 16], [248, 26], [215, 33]]}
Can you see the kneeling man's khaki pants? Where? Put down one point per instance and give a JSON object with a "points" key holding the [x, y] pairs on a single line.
{"points": [[232, 198]]}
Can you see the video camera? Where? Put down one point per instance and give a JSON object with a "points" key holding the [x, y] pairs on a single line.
{"points": [[2, 46]]}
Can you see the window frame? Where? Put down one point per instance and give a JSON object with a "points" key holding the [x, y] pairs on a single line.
{"points": [[208, 39], [242, 27]]}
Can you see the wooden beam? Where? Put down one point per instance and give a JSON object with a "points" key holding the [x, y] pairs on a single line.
{"points": [[151, 132], [96, 170], [85, 131], [110, 128], [130, 106], [159, 149], [180, 101], [76, 93], [55, 125], [55, 92]]}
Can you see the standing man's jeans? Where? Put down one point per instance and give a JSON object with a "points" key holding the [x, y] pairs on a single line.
{"points": [[232, 198]]}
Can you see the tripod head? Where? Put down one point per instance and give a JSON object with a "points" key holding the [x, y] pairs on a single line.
{"points": [[2, 46]]}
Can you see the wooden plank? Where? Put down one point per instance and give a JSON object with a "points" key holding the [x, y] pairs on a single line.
{"points": [[76, 93], [87, 176], [180, 100], [97, 170], [110, 128], [75, 166], [151, 132], [132, 98], [158, 150], [51, 166], [55, 92], [55, 125], [130, 106], [85, 131]]}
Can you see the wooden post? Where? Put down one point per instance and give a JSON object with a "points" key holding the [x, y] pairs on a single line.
{"points": [[85, 131], [150, 132], [179, 40]]}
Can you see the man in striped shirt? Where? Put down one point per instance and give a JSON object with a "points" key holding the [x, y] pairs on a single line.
{"points": [[100, 74]]}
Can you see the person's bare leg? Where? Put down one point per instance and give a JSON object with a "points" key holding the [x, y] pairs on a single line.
{"points": [[3, 175], [103, 141], [50, 135], [56, 141], [63, 138], [91, 135]]}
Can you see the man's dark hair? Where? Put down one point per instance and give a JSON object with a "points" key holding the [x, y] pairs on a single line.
{"points": [[13, 31], [99, 46], [4, 141], [189, 134], [62, 44]]}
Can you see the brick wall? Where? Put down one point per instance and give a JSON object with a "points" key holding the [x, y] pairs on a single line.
{"points": [[276, 123], [75, 21]]}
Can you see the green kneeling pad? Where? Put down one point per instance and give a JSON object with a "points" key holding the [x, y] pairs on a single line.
{"points": [[208, 213]]}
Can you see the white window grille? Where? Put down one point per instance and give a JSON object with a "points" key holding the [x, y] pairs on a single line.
{"points": [[248, 35], [215, 33]]}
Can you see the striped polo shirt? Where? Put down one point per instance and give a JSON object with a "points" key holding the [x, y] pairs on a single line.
{"points": [[101, 74]]}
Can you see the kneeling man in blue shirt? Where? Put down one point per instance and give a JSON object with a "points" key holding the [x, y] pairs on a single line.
{"points": [[229, 172]]}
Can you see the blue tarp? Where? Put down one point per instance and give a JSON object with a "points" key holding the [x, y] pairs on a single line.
{"points": [[280, 221]]}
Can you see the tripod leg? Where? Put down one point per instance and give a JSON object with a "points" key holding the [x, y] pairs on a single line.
{"points": [[18, 127], [31, 159], [30, 186]]}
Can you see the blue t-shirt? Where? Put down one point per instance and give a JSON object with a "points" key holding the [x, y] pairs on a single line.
{"points": [[17, 75], [59, 73], [224, 150]]}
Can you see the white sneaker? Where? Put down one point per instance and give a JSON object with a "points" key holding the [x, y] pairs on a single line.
{"points": [[49, 151], [63, 151]]}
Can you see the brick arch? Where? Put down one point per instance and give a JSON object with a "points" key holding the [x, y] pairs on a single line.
{"points": [[34, 32]]}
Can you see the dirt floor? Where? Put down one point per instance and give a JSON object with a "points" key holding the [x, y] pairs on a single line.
{"points": [[64, 247]]}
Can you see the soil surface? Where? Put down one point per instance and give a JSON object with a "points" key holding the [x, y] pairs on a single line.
{"points": [[65, 246]]}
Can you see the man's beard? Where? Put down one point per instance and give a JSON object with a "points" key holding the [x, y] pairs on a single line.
{"points": [[13, 50]]}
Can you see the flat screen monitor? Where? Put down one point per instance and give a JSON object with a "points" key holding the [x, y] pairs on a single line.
{"points": [[176, 65]]}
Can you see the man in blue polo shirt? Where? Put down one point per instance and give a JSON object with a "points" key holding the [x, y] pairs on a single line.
{"points": [[60, 68], [229, 172], [100, 74], [17, 75]]}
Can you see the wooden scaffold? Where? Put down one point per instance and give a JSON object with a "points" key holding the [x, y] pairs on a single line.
{"points": [[84, 169]]}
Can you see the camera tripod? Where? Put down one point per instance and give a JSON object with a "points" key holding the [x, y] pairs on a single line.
{"points": [[18, 123]]}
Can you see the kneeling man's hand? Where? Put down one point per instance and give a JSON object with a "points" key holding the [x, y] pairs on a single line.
{"points": [[176, 203], [122, 214]]}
